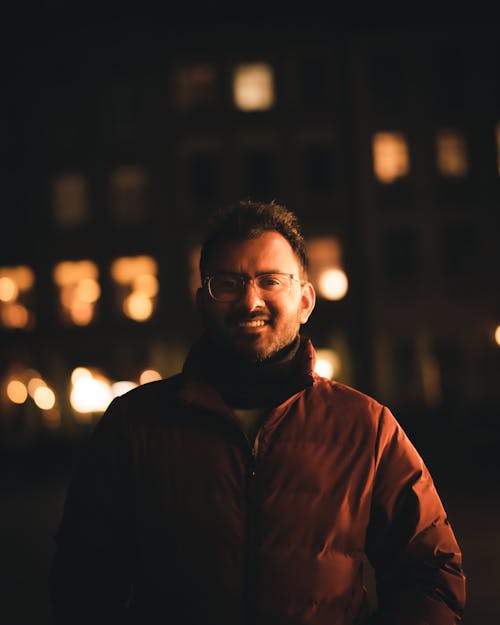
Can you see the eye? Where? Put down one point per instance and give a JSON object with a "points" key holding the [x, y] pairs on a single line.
{"points": [[271, 280], [226, 282]]}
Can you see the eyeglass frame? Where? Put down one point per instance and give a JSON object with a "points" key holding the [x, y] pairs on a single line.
{"points": [[245, 280]]}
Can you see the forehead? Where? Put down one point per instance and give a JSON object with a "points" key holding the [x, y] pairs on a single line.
{"points": [[269, 251]]}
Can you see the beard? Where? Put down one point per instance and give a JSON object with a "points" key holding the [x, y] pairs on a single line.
{"points": [[251, 348]]}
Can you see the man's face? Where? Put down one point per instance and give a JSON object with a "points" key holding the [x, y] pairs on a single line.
{"points": [[256, 326]]}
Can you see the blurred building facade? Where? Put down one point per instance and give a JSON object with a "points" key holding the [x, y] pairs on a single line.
{"points": [[119, 147]]}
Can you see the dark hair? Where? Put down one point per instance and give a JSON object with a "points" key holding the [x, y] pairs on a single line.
{"points": [[247, 220]]}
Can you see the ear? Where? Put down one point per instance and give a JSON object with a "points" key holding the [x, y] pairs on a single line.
{"points": [[308, 299]]}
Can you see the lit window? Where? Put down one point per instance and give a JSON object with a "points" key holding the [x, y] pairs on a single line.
{"points": [[137, 286], [451, 154], [16, 297], [253, 87], [69, 200], [325, 270], [127, 189], [195, 86], [391, 158], [79, 290]]}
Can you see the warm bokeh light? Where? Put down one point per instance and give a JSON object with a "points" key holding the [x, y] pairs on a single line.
{"points": [[451, 154], [137, 285], [8, 289], [79, 290], [79, 373], [253, 87], [333, 284], [149, 375], [88, 290], [327, 363], [121, 387], [497, 335], [138, 306], [17, 392], [391, 158], [90, 394], [16, 284], [15, 316], [44, 397], [147, 284], [34, 384], [125, 269]]}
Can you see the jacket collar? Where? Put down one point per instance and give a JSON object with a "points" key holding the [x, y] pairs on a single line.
{"points": [[197, 389]]}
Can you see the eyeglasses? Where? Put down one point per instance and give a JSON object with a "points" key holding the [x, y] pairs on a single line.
{"points": [[229, 287]]}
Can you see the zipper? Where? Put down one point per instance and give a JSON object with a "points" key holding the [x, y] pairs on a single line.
{"points": [[250, 555]]}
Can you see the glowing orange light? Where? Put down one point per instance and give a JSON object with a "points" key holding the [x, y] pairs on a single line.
{"points": [[8, 289], [34, 384], [15, 316], [124, 270], [79, 290], [44, 397], [88, 290], [138, 306], [390, 156], [17, 392], [147, 284], [333, 284], [327, 363], [497, 335], [451, 153], [253, 87], [149, 375]]}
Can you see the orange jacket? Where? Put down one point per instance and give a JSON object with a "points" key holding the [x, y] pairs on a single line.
{"points": [[172, 517]]}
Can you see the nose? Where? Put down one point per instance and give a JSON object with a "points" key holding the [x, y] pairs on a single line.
{"points": [[251, 298]]}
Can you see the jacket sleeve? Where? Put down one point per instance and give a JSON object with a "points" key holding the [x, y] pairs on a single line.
{"points": [[410, 543], [90, 579]]}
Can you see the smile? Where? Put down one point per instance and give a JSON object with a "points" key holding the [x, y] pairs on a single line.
{"points": [[252, 323]]}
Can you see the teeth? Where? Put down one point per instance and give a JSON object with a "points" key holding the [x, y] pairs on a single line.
{"points": [[256, 323]]}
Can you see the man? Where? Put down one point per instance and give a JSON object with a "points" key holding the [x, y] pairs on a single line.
{"points": [[247, 489]]}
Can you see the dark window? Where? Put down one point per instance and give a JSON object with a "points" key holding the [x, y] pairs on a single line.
{"points": [[452, 192], [448, 77], [450, 361], [406, 370], [394, 196], [261, 175], [318, 167], [195, 86], [400, 255], [313, 80], [202, 177], [387, 70], [459, 249]]}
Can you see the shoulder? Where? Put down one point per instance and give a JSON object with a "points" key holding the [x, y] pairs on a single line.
{"points": [[144, 402], [342, 396]]}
